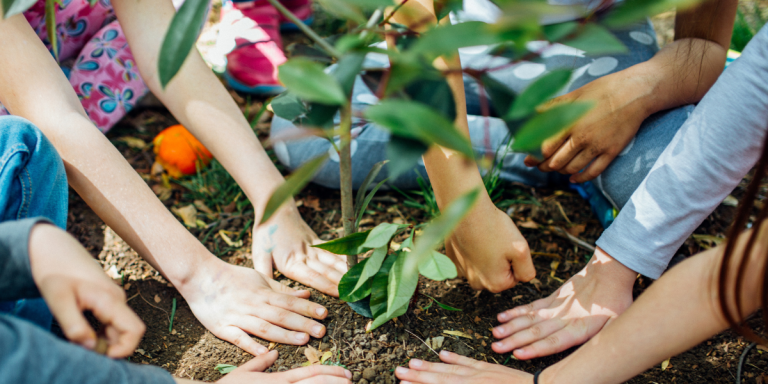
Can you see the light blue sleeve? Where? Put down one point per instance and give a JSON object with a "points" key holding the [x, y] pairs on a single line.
{"points": [[718, 144]]}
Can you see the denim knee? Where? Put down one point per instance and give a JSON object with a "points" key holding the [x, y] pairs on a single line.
{"points": [[32, 177]]}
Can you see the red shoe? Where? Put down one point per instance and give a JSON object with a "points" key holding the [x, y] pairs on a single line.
{"points": [[252, 64], [301, 8]]}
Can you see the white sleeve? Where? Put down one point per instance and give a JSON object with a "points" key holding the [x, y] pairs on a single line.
{"points": [[718, 144]]}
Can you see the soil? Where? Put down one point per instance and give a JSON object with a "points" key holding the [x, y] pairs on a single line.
{"points": [[188, 350]]}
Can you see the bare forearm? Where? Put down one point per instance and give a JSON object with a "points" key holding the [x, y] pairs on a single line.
{"points": [[199, 101]]}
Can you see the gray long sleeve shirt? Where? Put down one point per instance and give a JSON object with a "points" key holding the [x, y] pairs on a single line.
{"points": [[28, 354], [710, 154]]}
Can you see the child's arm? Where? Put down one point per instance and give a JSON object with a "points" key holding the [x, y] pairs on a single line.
{"points": [[224, 297], [201, 103]]}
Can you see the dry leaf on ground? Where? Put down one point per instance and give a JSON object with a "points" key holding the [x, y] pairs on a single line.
{"points": [[530, 224], [458, 333], [188, 214]]}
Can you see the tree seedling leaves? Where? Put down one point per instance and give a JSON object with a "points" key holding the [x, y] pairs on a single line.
{"points": [[548, 124], [403, 154], [377, 322], [403, 278], [596, 40], [14, 7], [306, 79], [500, 94], [434, 92], [350, 288], [344, 10], [380, 236], [347, 245], [555, 32], [288, 106], [538, 92], [446, 39], [379, 287], [368, 198], [347, 69], [225, 368], [292, 185], [437, 266], [180, 38], [369, 178], [319, 115], [631, 11], [441, 305], [444, 7], [372, 265], [417, 121]]}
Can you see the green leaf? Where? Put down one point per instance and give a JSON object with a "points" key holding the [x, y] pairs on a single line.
{"points": [[548, 124], [288, 106], [403, 278], [363, 190], [180, 38], [377, 322], [417, 121], [14, 7], [347, 70], [403, 155], [225, 368], [319, 115], [555, 32], [380, 236], [446, 39], [438, 267], [441, 305], [434, 92], [292, 185], [347, 245], [379, 288], [372, 265], [307, 80], [50, 26], [538, 92], [500, 94], [367, 201], [444, 7], [596, 40], [351, 287], [630, 11]]}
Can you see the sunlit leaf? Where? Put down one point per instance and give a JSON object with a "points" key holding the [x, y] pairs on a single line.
{"points": [[225, 368], [180, 38], [538, 92], [292, 185], [630, 11], [441, 305], [372, 265], [548, 124], [403, 278], [380, 236], [379, 287], [596, 40], [306, 79], [446, 39], [403, 155], [437, 266], [347, 245], [351, 287], [417, 121], [377, 322], [288, 106], [14, 7]]}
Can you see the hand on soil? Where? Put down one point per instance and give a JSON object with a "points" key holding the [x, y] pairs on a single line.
{"points": [[253, 372], [286, 241], [70, 282], [459, 370], [484, 245], [233, 302], [571, 315]]}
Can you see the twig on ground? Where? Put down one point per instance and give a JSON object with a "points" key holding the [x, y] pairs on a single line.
{"points": [[150, 304], [562, 211], [563, 233], [430, 348]]}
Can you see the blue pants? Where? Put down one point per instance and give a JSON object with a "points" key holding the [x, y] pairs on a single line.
{"points": [[490, 134], [32, 183]]}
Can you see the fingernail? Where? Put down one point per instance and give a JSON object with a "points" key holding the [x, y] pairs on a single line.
{"points": [[445, 353], [497, 330], [317, 330], [320, 311], [503, 316], [89, 344], [348, 374], [498, 344], [401, 370], [416, 362], [262, 351], [301, 337]]}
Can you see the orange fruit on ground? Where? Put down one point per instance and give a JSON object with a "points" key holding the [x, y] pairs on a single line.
{"points": [[179, 152]]}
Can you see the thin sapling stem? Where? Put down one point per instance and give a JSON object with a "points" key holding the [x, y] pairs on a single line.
{"points": [[345, 171]]}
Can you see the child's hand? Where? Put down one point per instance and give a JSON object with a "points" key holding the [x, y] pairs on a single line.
{"points": [[600, 135], [459, 370], [489, 250], [286, 242], [71, 281], [253, 372]]}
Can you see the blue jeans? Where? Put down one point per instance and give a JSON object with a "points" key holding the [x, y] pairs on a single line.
{"points": [[33, 183], [490, 134]]}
